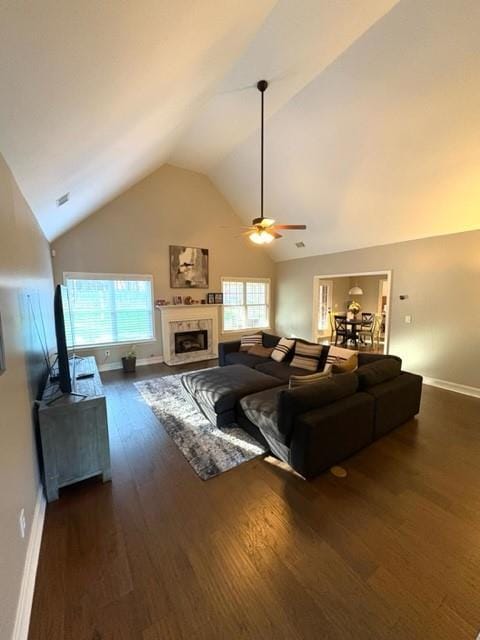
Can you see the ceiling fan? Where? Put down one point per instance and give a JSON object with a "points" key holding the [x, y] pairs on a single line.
{"points": [[265, 230]]}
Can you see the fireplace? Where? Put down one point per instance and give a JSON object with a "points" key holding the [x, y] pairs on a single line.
{"points": [[188, 341]]}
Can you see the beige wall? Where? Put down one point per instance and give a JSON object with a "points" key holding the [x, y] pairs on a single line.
{"points": [[441, 277], [132, 234], [25, 269]]}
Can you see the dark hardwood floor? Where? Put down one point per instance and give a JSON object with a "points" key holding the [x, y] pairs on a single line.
{"points": [[390, 552]]}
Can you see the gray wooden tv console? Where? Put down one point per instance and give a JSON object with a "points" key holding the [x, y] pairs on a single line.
{"points": [[74, 433]]}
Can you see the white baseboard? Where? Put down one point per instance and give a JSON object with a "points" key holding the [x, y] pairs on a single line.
{"points": [[111, 366], [24, 607], [452, 386]]}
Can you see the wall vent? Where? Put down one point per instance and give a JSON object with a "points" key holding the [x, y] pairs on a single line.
{"points": [[63, 199], [300, 245]]}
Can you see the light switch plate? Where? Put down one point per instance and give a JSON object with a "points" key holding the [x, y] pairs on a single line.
{"points": [[408, 319]]}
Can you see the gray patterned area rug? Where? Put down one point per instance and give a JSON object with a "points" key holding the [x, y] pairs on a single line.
{"points": [[208, 449]]}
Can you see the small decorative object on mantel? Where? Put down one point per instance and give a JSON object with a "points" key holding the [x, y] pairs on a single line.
{"points": [[210, 298], [129, 361], [177, 299], [188, 300], [188, 268], [161, 302], [354, 307], [219, 298]]}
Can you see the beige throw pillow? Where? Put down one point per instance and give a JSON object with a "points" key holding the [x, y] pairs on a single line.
{"points": [[337, 355], [283, 347], [345, 366], [260, 350], [301, 381], [307, 356], [246, 342]]}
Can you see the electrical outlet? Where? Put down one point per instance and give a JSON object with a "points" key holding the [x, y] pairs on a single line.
{"points": [[107, 353], [22, 523]]}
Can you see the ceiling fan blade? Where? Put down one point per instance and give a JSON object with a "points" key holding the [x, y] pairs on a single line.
{"points": [[291, 226], [238, 226], [250, 230]]}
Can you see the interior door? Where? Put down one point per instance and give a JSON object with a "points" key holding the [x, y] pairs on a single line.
{"points": [[322, 305]]}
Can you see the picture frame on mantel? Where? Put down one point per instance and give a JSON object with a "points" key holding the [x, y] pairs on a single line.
{"points": [[188, 267]]}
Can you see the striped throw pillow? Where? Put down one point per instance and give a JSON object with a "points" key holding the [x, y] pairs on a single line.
{"points": [[307, 356], [283, 347], [301, 381], [345, 366], [338, 355], [246, 342]]}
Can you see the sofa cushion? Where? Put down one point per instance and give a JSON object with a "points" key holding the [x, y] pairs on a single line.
{"points": [[377, 372], [269, 340], [396, 401], [280, 370], [326, 436], [292, 402], [365, 357], [262, 410], [307, 356], [242, 357]]}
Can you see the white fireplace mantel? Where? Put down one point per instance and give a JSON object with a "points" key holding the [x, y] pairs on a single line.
{"points": [[184, 318]]}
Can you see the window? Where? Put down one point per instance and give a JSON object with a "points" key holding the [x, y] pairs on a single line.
{"points": [[109, 308], [323, 305], [246, 303]]}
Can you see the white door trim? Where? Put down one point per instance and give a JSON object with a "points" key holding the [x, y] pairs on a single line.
{"points": [[383, 272]]}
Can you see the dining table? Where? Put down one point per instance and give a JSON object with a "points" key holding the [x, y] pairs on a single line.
{"points": [[353, 324]]}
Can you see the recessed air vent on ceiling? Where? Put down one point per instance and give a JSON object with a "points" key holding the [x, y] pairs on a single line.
{"points": [[63, 199], [300, 245]]}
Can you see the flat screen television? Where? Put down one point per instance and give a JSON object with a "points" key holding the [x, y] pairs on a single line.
{"points": [[65, 367]]}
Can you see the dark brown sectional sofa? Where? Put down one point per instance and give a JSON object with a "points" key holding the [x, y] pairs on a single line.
{"points": [[314, 426]]}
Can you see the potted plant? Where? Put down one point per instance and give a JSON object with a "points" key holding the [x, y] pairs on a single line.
{"points": [[129, 360], [354, 307]]}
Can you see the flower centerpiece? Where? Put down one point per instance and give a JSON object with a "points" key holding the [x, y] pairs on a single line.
{"points": [[354, 307]]}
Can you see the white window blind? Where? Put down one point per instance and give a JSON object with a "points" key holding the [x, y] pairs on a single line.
{"points": [[109, 309], [246, 303]]}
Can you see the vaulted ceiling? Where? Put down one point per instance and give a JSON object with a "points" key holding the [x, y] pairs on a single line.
{"points": [[373, 109]]}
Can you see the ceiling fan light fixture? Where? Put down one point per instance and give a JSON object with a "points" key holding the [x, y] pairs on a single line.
{"points": [[261, 237]]}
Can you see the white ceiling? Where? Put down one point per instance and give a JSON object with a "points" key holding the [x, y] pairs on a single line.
{"points": [[93, 93], [373, 109]]}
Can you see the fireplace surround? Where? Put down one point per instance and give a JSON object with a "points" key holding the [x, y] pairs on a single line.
{"points": [[189, 333]]}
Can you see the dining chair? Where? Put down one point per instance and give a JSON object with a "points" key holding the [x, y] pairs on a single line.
{"points": [[367, 319], [341, 329], [367, 328], [331, 321], [377, 329]]}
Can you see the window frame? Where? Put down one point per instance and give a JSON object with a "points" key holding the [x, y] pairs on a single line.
{"points": [[244, 280], [85, 275]]}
